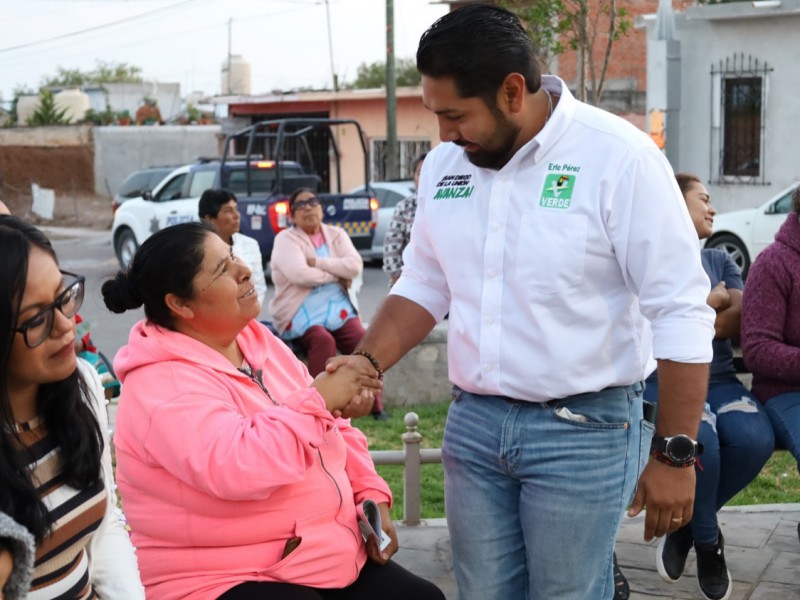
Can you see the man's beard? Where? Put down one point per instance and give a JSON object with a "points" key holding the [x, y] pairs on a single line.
{"points": [[503, 139]]}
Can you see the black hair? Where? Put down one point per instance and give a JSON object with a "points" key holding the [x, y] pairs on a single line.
{"points": [[296, 193], [62, 405], [417, 162], [685, 181], [212, 201], [796, 200], [479, 45], [165, 264]]}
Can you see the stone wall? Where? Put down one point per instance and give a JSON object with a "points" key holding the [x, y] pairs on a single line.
{"points": [[421, 375], [60, 158]]}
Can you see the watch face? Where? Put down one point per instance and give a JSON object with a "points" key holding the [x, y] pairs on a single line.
{"points": [[680, 448]]}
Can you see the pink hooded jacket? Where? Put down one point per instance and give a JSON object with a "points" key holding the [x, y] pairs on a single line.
{"points": [[215, 478]]}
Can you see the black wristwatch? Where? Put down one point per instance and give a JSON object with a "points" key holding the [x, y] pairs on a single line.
{"points": [[679, 449]]}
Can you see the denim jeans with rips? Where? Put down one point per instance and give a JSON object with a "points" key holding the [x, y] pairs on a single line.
{"points": [[535, 492], [737, 440]]}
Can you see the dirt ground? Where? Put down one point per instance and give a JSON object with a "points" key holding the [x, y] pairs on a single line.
{"points": [[80, 210]]}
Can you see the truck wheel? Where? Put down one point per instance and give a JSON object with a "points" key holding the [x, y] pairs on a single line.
{"points": [[125, 247], [735, 248]]}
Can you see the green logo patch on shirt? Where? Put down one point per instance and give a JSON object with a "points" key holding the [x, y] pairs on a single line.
{"points": [[557, 191]]}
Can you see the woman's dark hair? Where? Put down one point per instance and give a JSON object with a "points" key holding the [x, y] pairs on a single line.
{"points": [[479, 46], [165, 264], [796, 200], [685, 181], [296, 193], [62, 405]]}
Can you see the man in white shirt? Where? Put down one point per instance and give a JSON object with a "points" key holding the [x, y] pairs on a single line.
{"points": [[218, 207], [556, 238]]}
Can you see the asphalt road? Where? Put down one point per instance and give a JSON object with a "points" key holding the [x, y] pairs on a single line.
{"points": [[89, 253]]}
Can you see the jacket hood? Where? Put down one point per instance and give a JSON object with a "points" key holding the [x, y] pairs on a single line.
{"points": [[22, 548], [149, 344], [789, 233]]}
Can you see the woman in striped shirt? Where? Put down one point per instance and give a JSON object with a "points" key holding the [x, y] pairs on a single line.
{"points": [[55, 465]]}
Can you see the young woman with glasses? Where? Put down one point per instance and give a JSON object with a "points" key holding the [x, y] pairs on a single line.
{"points": [[55, 463]]}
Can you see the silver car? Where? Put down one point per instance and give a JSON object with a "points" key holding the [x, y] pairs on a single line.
{"points": [[388, 194]]}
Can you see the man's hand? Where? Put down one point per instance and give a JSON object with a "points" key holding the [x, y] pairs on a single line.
{"points": [[667, 493], [361, 404], [388, 527]]}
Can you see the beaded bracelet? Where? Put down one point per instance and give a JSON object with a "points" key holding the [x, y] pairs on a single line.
{"points": [[372, 360], [662, 458]]}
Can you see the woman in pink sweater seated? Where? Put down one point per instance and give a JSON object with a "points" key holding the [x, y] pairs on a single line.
{"points": [[238, 481], [313, 267]]}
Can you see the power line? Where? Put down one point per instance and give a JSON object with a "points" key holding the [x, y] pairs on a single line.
{"points": [[95, 28]]}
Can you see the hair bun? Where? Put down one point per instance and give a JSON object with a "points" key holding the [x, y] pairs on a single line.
{"points": [[120, 294]]}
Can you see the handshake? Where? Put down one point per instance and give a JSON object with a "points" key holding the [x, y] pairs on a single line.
{"points": [[349, 386]]}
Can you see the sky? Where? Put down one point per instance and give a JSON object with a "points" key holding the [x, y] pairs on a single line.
{"points": [[186, 41]]}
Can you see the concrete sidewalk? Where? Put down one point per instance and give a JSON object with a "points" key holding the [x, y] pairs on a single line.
{"points": [[761, 548]]}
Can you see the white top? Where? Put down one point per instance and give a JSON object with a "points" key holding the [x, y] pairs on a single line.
{"points": [[552, 266], [247, 249]]}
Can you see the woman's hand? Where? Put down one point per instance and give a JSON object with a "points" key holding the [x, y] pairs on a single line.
{"points": [[361, 404], [388, 527], [719, 298], [312, 261], [344, 384]]}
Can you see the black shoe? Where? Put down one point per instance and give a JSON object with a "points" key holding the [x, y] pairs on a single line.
{"points": [[380, 415], [621, 589], [712, 572], [672, 553]]}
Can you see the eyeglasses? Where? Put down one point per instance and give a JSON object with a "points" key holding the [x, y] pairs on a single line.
{"points": [[37, 329], [309, 203]]}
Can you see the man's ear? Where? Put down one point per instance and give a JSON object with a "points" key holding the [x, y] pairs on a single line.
{"points": [[178, 306], [512, 92]]}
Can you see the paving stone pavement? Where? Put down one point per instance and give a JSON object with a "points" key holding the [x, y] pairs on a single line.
{"points": [[761, 548]]}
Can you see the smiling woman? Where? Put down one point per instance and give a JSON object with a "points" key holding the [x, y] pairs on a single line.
{"points": [[55, 464], [240, 480]]}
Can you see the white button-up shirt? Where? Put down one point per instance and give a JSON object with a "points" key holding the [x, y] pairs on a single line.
{"points": [[567, 270]]}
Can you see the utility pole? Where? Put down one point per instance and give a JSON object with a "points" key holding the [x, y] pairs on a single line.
{"points": [[230, 37], [334, 78], [392, 148]]}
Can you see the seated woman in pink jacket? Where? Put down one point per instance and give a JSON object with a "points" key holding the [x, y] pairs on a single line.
{"points": [[313, 267], [237, 479]]}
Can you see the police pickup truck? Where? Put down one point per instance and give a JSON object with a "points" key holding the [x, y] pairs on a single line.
{"points": [[255, 166]]}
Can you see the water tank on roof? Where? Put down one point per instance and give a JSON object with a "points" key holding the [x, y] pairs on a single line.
{"points": [[235, 76], [74, 102], [26, 106]]}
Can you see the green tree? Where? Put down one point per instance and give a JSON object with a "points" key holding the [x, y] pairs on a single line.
{"points": [[47, 113], [103, 72], [556, 26], [373, 75]]}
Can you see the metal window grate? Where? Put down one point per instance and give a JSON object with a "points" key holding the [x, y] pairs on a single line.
{"points": [[410, 149], [738, 124]]}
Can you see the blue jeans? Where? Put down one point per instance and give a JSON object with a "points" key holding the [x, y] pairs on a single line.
{"points": [[535, 492], [784, 412], [737, 440]]}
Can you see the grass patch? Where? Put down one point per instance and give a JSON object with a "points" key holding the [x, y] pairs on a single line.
{"points": [[385, 435], [778, 482]]}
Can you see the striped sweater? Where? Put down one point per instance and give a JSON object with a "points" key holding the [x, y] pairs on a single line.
{"points": [[88, 553], [76, 514]]}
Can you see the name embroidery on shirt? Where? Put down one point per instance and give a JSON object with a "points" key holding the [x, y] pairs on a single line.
{"points": [[454, 186], [558, 187]]}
